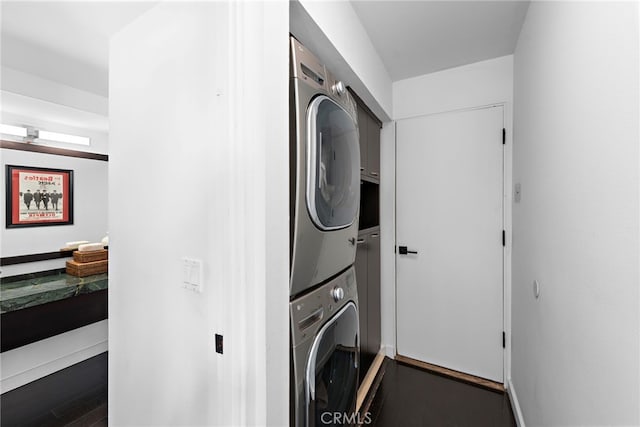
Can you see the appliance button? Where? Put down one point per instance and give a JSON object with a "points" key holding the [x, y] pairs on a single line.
{"points": [[337, 293], [339, 88]]}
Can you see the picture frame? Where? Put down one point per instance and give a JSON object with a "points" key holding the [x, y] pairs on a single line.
{"points": [[37, 197]]}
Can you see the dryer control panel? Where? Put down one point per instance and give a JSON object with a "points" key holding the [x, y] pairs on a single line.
{"points": [[307, 68]]}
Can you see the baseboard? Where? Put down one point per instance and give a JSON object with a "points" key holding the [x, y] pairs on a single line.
{"points": [[389, 351], [363, 390], [515, 405], [460, 376], [21, 378]]}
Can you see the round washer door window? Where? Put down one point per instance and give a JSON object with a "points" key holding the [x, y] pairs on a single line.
{"points": [[332, 369], [333, 165]]}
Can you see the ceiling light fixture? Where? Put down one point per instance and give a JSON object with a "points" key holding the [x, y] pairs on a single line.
{"points": [[13, 130], [63, 137], [29, 134]]}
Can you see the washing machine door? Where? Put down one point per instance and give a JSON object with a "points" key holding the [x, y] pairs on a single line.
{"points": [[333, 165], [331, 381]]}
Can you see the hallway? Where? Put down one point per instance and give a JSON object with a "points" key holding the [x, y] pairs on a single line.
{"points": [[408, 396]]}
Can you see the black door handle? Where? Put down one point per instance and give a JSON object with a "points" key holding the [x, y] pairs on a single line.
{"points": [[402, 250]]}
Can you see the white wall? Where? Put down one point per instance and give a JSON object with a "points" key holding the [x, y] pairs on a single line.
{"points": [[20, 82], [199, 168], [333, 32], [53, 64], [576, 355], [90, 209], [478, 84], [469, 86]]}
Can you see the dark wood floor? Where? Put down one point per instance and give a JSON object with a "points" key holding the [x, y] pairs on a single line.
{"points": [[408, 396], [404, 396], [75, 396]]}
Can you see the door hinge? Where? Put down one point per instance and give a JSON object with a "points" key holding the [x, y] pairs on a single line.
{"points": [[504, 238], [504, 340], [504, 136]]}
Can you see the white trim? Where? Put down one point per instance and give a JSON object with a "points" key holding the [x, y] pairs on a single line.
{"points": [[387, 238], [638, 121], [507, 222], [26, 376], [515, 405], [638, 118], [506, 245], [389, 351], [395, 237], [455, 110]]}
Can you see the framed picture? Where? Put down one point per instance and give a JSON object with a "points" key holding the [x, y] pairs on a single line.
{"points": [[38, 196]]}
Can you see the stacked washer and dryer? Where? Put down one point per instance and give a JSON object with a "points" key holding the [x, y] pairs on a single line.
{"points": [[324, 208]]}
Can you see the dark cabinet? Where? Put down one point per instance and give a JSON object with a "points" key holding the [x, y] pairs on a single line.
{"points": [[363, 130], [373, 297], [369, 128], [367, 263], [368, 279], [363, 298], [372, 168]]}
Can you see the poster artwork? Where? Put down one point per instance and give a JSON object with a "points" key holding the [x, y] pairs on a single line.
{"points": [[39, 196]]}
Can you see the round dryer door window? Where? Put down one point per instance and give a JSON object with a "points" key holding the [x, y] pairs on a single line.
{"points": [[333, 165]]}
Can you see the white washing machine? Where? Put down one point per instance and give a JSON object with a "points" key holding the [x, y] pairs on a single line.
{"points": [[325, 173]]}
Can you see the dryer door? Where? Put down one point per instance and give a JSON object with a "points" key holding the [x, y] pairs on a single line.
{"points": [[331, 381], [333, 165]]}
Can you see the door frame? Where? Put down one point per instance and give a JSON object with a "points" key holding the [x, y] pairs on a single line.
{"points": [[507, 224]]}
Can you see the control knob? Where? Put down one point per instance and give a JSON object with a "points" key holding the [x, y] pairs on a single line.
{"points": [[339, 88], [337, 293]]}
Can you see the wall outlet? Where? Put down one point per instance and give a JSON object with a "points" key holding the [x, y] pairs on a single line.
{"points": [[219, 344], [192, 274]]}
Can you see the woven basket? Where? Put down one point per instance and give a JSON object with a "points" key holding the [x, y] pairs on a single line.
{"points": [[91, 256], [87, 268]]}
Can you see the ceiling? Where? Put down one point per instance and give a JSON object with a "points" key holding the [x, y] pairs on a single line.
{"points": [[419, 37], [68, 41], [65, 41]]}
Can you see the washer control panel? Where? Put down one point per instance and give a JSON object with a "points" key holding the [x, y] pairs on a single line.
{"points": [[310, 311]]}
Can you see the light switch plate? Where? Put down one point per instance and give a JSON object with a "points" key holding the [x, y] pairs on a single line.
{"points": [[192, 274], [517, 193]]}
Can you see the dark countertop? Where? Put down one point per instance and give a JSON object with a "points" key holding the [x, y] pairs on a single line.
{"points": [[40, 288]]}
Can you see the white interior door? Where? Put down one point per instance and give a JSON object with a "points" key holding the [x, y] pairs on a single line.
{"points": [[449, 210]]}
